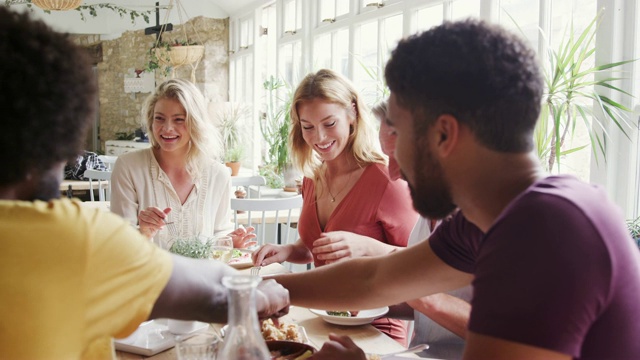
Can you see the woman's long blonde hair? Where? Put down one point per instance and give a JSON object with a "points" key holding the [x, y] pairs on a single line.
{"points": [[332, 87], [206, 142]]}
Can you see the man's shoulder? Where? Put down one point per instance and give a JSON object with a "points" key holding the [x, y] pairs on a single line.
{"points": [[561, 193]]}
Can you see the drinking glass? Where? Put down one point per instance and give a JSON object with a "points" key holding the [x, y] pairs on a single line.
{"points": [[222, 248], [202, 346]]}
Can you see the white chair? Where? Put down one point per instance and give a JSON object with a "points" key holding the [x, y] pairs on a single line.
{"points": [[248, 181], [108, 161], [264, 213], [104, 186]]}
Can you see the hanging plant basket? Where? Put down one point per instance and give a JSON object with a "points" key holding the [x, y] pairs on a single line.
{"points": [[59, 5], [180, 55]]}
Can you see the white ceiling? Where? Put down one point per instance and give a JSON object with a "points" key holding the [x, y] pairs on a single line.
{"points": [[111, 25]]}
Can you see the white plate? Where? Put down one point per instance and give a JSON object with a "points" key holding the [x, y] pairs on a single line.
{"points": [[363, 317], [152, 337], [242, 262]]}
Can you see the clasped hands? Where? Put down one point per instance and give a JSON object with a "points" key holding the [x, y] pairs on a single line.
{"points": [[330, 247], [153, 219]]}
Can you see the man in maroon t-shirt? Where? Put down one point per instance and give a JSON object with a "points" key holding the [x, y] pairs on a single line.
{"points": [[555, 274]]}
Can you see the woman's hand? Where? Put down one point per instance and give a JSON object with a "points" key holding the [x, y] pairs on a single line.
{"points": [[151, 220], [339, 245], [242, 237], [270, 253], [339, 347]]}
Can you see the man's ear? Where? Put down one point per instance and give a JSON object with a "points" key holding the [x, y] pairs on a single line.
{"points": [[446, 132]]}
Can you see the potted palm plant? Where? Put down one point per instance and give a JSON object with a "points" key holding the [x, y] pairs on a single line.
{"points": [[230, 117], [571, 100], [275, 124]]}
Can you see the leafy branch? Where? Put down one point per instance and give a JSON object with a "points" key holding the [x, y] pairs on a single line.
{"points": [[93, 10]]}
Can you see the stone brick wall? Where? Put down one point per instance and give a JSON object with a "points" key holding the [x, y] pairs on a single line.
{"points": [[120, 111]]}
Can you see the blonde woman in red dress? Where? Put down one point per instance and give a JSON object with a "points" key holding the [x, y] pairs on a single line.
{"points": [[352, 208]]}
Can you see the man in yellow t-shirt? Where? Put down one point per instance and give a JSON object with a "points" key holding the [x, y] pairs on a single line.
{"points": [[72, 277]]}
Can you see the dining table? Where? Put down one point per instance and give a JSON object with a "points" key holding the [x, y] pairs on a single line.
{"points": [[367, 337]]}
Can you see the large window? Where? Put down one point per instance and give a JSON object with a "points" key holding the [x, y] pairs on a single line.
{"points": [[355, 38]]}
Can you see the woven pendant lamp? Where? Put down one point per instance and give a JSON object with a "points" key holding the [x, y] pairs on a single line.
{"points": [[59, 5]]}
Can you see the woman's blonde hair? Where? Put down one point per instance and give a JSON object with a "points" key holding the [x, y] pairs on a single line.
{"points": [[206, 143], [332, 87]]}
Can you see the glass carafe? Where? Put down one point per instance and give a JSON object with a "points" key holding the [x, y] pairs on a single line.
{"points": [[243, 340]]}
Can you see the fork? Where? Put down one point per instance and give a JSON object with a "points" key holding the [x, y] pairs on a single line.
{"points": [[255, 271]]}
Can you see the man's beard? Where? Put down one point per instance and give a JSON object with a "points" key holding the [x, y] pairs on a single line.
{"points": [[430, 194]]}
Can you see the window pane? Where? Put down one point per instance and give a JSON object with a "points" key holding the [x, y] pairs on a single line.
{"points": [[366, 61], [290, 57], [462, 9], [289, 15], [327, 9], [427, 18], [391, 34], [322, 57], [521, 16], [244, 34], [563, 14], [342, 51], [342, 7]]}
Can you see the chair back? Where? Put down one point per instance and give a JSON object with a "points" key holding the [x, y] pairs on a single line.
{"points": [[104, 186], [108, 161], [248, 181], [268, 217]]}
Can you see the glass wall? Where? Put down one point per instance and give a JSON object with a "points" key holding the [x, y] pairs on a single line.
{"points": [[355, 38]]}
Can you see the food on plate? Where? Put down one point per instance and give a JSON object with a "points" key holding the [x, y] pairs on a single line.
{"points": [[281, 332], [342, 313], [238, 256]]}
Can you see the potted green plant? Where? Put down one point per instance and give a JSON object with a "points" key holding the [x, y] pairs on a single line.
{"points": [[233, 158], [275, 124], [166, 56], [571, 99], [230, 118]]}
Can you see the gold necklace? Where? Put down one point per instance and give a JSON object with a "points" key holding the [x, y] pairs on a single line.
{"points": [[326, 182]]}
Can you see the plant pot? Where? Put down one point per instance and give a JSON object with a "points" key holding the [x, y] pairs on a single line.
{"points": [[235, 167], [180, 55], [290, 175]]}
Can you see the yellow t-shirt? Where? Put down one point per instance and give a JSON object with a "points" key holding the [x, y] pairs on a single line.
{"points": [[71, 278]]}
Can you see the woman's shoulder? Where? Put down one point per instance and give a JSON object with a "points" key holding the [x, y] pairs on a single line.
{"points": [[135, 157], [217, 169], [377, 172]]}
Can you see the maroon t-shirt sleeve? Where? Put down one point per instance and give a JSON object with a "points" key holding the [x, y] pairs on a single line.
{"points": [[456, 242]]}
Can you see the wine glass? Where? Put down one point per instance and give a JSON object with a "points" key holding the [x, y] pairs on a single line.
{"points": [[222, 248]]}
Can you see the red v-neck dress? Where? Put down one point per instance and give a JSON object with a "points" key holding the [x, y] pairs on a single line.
{"points": [[377, 207]]}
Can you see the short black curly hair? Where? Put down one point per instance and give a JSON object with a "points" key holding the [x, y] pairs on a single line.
{"points": [[48, 96], [486, 77]]}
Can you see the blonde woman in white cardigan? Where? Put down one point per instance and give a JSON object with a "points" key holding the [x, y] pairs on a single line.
{"points": [[178, 187]]}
